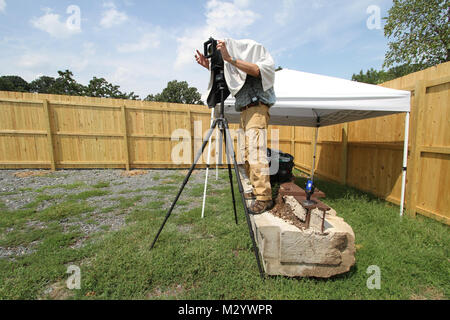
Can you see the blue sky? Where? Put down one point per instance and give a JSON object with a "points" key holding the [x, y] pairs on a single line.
{"points": [[141, 45]]}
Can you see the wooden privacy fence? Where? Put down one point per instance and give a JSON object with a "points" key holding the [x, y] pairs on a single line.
{"points": [[51, 131], [368, 154], [56, 132]]}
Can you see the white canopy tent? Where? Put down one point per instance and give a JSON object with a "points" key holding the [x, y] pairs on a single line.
{"points": [[311, 100], [303, 98]]}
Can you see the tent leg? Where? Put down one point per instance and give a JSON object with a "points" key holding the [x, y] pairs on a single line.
{"points": [[405, 162], [314, 153]]}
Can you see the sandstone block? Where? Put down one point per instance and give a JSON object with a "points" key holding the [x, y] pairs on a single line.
{"points": [[287, 250]]}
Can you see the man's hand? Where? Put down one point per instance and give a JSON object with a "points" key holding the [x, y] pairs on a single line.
{"points": [[201, 60], [249, 68], [221, 46]]}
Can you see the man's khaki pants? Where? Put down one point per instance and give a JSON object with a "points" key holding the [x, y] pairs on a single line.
{"points": [[254, 123]]}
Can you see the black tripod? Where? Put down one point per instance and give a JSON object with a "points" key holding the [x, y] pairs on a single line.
{"points": [[222, 124]]}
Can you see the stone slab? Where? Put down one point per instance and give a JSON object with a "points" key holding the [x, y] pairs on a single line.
{"points": [[289, 251]]}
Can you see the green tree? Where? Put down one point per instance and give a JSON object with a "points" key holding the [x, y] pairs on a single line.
{"points": [[65, 84], [419, 32], [13, 83], [373, 76], [403, 70], [43, 84], [99, 87], [177, 92]]}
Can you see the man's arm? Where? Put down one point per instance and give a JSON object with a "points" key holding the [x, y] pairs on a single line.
{"points": [[249, 68]]}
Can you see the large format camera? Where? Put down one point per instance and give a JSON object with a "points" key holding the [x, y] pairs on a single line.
{"points": [[219, 86]]}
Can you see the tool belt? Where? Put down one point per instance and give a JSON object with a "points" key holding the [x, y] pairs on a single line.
{"points": [[253, 104]]}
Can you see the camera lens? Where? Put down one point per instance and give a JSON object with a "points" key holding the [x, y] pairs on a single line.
{"points": [[210, 50]]}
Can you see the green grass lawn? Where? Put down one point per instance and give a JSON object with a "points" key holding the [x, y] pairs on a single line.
{"points": [[212, 258]]}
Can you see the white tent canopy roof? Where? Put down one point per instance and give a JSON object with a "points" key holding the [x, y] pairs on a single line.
{"points": [[304, 98]]}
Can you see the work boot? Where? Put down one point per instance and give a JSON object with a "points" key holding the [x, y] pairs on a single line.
{"points": [[260, 206]]}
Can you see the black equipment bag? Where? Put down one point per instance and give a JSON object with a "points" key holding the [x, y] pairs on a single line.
{"points": [[285, 165]]}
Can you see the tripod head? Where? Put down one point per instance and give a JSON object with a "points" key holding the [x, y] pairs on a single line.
{"points": [[219, 91]]}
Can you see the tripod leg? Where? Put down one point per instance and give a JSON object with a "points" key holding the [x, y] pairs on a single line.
{"points": [[241, 190], [197, 157], [230, 175], [207, 168], [217, 154]]}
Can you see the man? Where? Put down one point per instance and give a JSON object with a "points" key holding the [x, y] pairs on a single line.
{"points": [[250, 73]]}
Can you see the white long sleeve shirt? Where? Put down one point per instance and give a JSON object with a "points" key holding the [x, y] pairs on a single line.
{"points": [[249, 51]]}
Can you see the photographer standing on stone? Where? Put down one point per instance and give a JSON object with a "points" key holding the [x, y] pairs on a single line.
{"points": [[250, 74]]}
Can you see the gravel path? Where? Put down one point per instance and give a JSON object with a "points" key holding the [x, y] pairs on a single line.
{"points": [[17, 193]]}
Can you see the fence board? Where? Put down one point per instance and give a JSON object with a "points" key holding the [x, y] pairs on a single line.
{"points": [[48, 124]]}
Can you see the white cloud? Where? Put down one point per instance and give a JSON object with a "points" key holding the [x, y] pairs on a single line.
{"points": [[89, 49], [80, 62], [51, 23], [52, 60], [147, 41], [142, 77], [326, 24], [317, 4], [223, 19], [228, 17], [282, 16], [112, 17], [122, 74], [242, 3], [32, 60], [2, 5]]}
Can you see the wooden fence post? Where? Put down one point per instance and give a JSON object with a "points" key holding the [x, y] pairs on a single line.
{"points": [[416, 140], [344, 154], [48, 123], [126, 150]]}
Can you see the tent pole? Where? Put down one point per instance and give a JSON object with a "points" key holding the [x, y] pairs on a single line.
{"points": [[207, 167], [315, 149], [310, 189], [405, 162]]}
